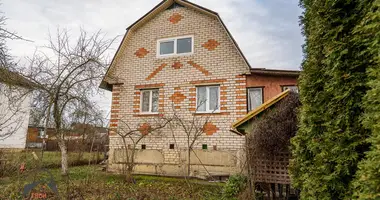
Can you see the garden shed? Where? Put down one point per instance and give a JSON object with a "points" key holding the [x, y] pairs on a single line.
{"points": [[268, 130]]}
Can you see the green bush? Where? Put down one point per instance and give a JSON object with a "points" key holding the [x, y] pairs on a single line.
{"points": [[235, 185]]}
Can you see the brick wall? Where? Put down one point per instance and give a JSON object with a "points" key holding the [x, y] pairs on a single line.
{"points": [[215, 62], [272, 85]]}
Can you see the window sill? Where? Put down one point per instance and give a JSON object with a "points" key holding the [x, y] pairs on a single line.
{"points": [[148, 115], [210, 113], [173, 55]]}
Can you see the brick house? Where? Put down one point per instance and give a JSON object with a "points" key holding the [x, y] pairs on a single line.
{"points": [[178, 55]]}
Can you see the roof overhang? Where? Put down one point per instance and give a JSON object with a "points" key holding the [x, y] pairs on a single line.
{"points": [[105, 84], [275, 72], [235, 128]]}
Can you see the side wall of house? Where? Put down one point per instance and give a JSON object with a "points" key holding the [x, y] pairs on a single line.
{"points": [[272, 85], [15, 119], [215, 61]]}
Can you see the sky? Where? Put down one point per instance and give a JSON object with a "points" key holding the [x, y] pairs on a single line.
{"points": [[267, 31]]}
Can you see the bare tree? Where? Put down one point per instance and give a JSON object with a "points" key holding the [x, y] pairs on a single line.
{"points": [[131, 137], [194, 128], [66, 75]]}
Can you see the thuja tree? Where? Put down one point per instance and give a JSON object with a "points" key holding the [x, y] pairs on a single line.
{"points": [[331, 139], [368, 175]]}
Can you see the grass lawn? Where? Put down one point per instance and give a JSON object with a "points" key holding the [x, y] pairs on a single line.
{"points": [[87, 182]]}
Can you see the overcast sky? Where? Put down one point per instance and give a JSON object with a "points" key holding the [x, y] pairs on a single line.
{"points": [[266, 30]]}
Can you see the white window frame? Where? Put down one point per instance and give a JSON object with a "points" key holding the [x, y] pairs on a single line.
{"points": [[249, 99], [175, 46], [207, 99], [150, 100]]}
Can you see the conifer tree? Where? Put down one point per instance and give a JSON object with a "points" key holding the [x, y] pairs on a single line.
{"points": [[331, 139], [367, 185]]}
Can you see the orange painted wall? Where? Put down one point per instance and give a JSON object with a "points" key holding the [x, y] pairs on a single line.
{"points": [[271, 84]]}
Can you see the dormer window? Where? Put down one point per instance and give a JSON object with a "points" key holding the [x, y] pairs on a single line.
{"points": [[175, 46]]}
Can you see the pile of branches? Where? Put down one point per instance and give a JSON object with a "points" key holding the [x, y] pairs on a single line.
{"points": [[273, 129]]}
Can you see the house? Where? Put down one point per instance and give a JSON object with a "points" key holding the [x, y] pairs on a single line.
{"points": [[180, 58], [80, 136], [15, 100]]}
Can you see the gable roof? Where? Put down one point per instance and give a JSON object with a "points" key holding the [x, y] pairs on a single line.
{"points": [[163, 5], [257, 111]]}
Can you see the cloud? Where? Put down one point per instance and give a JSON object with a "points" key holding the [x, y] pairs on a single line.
{"points": [[267, 31]]}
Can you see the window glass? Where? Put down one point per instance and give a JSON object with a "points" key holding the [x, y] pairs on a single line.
{"points": [[145, 101], [214, 98], [184, 45], [255, 98], [166, 47], [201, 98], [208, 98], [291, 88], [154, 100]]}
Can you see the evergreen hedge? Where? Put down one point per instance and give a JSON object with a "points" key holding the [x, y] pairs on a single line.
{"points": [[331, 139], [367, 184]]}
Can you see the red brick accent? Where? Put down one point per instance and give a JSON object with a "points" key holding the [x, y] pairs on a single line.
{"points": [[240, 86], [114, 120], [223, 87], [240, 91], [177, 65], [141, 52], [241, 113], [241, 107], [209, 128], [193, 90], [240, 81], [156, 85], [177, 97], [114, 116], [241, 102], [144, 128], [223, 93], [240, 76], [160, 68], [115, 111], [240, 97], [175, 18], [198, 67], [211, 44], [208, 81]]}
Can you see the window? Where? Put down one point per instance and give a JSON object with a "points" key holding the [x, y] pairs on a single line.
{"points": [[175, 46], [149, 101], [171, 146], [255, 98], [143, 146], [204, 146], [208, 99], [293, 88]]}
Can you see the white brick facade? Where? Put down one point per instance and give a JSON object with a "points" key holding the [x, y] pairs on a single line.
{"points": [[224, 66]]}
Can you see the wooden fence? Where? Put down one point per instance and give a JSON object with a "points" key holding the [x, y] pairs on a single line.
{"points": [[271, 177]]}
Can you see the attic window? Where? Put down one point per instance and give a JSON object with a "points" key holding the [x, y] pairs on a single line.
{"points": [[175, 46]]}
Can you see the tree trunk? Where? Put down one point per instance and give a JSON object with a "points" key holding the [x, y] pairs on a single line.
{"points": [[129, 175], [64, 162]]}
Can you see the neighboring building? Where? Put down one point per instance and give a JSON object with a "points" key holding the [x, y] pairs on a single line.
{"points": [[178, 55], [263, 84], [15, 100]]}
